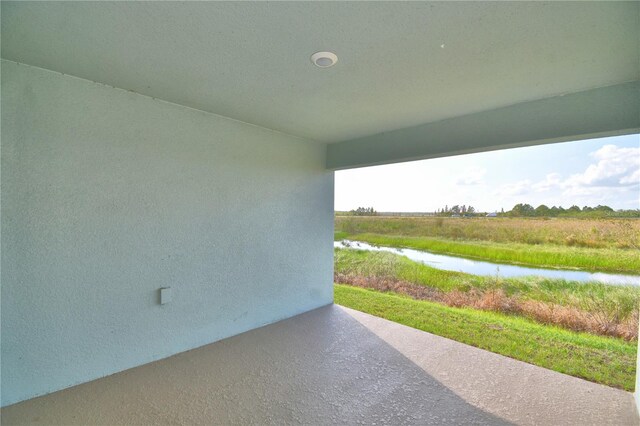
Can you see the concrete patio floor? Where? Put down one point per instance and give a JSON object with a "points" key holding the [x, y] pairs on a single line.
{"points": [[332, 366]]}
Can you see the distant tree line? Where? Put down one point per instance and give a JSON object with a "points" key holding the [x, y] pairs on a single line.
{"points": [[527, 210], [363, 211], [519, 210], [457, 210]]}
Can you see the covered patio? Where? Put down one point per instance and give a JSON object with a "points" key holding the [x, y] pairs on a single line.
{"points": [[333, 365], [168, 183]]}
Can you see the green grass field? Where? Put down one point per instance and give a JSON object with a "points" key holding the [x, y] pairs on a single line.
{"points": [[594, 245], [589, 233], [604, 360]]}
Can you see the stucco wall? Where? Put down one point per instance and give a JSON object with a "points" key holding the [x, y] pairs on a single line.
{"points": [[108, 195]]}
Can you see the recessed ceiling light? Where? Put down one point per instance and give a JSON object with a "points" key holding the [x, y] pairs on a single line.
{"points": [[324, 59]]}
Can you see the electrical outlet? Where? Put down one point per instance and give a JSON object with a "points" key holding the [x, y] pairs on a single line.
{"points": [[165, 295]]}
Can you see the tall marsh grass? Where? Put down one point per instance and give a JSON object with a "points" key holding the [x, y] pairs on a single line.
{"points": [[587, 233]]}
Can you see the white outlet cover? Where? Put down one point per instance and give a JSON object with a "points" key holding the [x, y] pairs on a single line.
{"points": [[165, 295]]}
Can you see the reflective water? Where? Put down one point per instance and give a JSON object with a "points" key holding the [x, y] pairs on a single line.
{"points": [[477, 267]]}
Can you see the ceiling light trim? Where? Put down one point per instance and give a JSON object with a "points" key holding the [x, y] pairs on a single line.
{"points": [[324, 59]]}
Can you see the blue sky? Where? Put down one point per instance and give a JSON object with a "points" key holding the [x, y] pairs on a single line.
{"points": [[589, 172]]}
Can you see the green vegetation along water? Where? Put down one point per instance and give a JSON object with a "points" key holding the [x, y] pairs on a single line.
{"points": [[544, 256], [594, 307], [592, 245], [484, 268]]}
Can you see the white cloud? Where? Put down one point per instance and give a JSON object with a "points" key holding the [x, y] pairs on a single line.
{"points": [[471, 176], [512, 189], [632, 179], [615, 167], [552, 181], [616, 170]]}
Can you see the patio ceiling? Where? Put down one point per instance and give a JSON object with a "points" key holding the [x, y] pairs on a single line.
{"points": [[400, 66]]}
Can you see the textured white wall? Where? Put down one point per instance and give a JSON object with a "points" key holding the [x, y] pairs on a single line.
{"points": [[108, 195]]}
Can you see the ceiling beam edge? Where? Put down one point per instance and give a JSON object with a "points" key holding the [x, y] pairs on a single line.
{"points": [[601, 112]]}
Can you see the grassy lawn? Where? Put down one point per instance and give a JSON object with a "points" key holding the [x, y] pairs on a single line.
{"points": [[604, 360]]}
